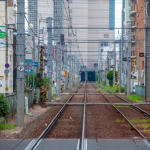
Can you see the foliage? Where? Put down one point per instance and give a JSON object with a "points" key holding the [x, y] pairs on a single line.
{"points": [[110, 77], [104, 82], [135, 98], [4, 106], [4, 126], [111, 82], [29, 79], [117, 89]]}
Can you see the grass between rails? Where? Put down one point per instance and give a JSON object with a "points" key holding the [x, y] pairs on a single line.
{"points": [[4, 126], [140, 123], [135, 98], [132, 97], [108, 88]]}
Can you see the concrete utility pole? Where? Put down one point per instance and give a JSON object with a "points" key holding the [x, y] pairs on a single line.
{"points": [[139, 31], [122, 43], [114, 67], [120, 66], [129, 62], [70, 73], [20, 61], [65, 67], [58, 70], [147, 60], [49, 59], [58, 20]]}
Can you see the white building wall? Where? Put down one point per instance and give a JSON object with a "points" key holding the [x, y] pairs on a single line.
{"points": [[84, 14], [10, 51]]}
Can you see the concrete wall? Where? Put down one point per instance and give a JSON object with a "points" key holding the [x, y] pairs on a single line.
{"points": [[140, 90]]}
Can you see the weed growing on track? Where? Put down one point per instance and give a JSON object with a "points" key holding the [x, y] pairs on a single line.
{"points": [[120, 120], [121, 106], [140, 120]]}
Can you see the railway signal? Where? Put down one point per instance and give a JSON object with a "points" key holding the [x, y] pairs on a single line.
{"points": [[124, 58], [141, 54]]}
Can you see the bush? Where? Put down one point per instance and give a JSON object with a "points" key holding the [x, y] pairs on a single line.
{"points": [[111, 82], [110, 77], [4, 106], [103, 82]]}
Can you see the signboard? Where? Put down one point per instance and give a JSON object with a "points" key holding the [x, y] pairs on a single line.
{"points": [[1, 83], [2, 43], [2, 36], [21, 68], [6, 65], [28, 71], [35, 64], [2, 32]]}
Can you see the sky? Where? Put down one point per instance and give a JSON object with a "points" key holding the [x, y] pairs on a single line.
{"points": [[118, 16]]}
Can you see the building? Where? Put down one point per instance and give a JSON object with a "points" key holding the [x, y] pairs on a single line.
{"points": [[95, 15], [137, 40], [3, 83], [33, 17]]}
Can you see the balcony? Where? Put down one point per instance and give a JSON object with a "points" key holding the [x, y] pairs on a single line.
{"points": [[133, 10], [133, 39], [133, 24]]}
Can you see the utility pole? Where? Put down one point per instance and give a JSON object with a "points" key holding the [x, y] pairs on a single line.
{"points": [[122, 44], [66, 64], [147, 60], [58, 70], [114, 67], [129, 61], [120, 64], [147, 51], [58, 17], [20, 61], [70, 74], [49, 59], [139, 31]]}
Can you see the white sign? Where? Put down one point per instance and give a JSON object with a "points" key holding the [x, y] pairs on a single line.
{"points": [[0, 82], [21, 68]]}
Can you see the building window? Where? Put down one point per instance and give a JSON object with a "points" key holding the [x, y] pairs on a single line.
{"points": [[70, 11], [105, 44], [70, 19], [70, 1], [106, 35], [69, 34]]}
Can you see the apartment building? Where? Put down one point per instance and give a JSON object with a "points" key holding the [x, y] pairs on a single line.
{"points": [[137, 40], [3, 87]]}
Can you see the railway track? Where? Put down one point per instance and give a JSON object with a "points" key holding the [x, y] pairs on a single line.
{"points": [[89, 116]]}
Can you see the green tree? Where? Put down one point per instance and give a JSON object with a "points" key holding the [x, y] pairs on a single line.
{"points": [[4, 106], [110, 77], [29, 79]]}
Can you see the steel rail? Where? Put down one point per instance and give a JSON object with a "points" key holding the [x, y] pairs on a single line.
{"points": [[83, 123], [128, 121], [135, 107], [49, 127]]}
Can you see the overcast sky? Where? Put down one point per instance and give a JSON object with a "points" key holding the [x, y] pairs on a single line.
{"points": [[118, 16]]}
